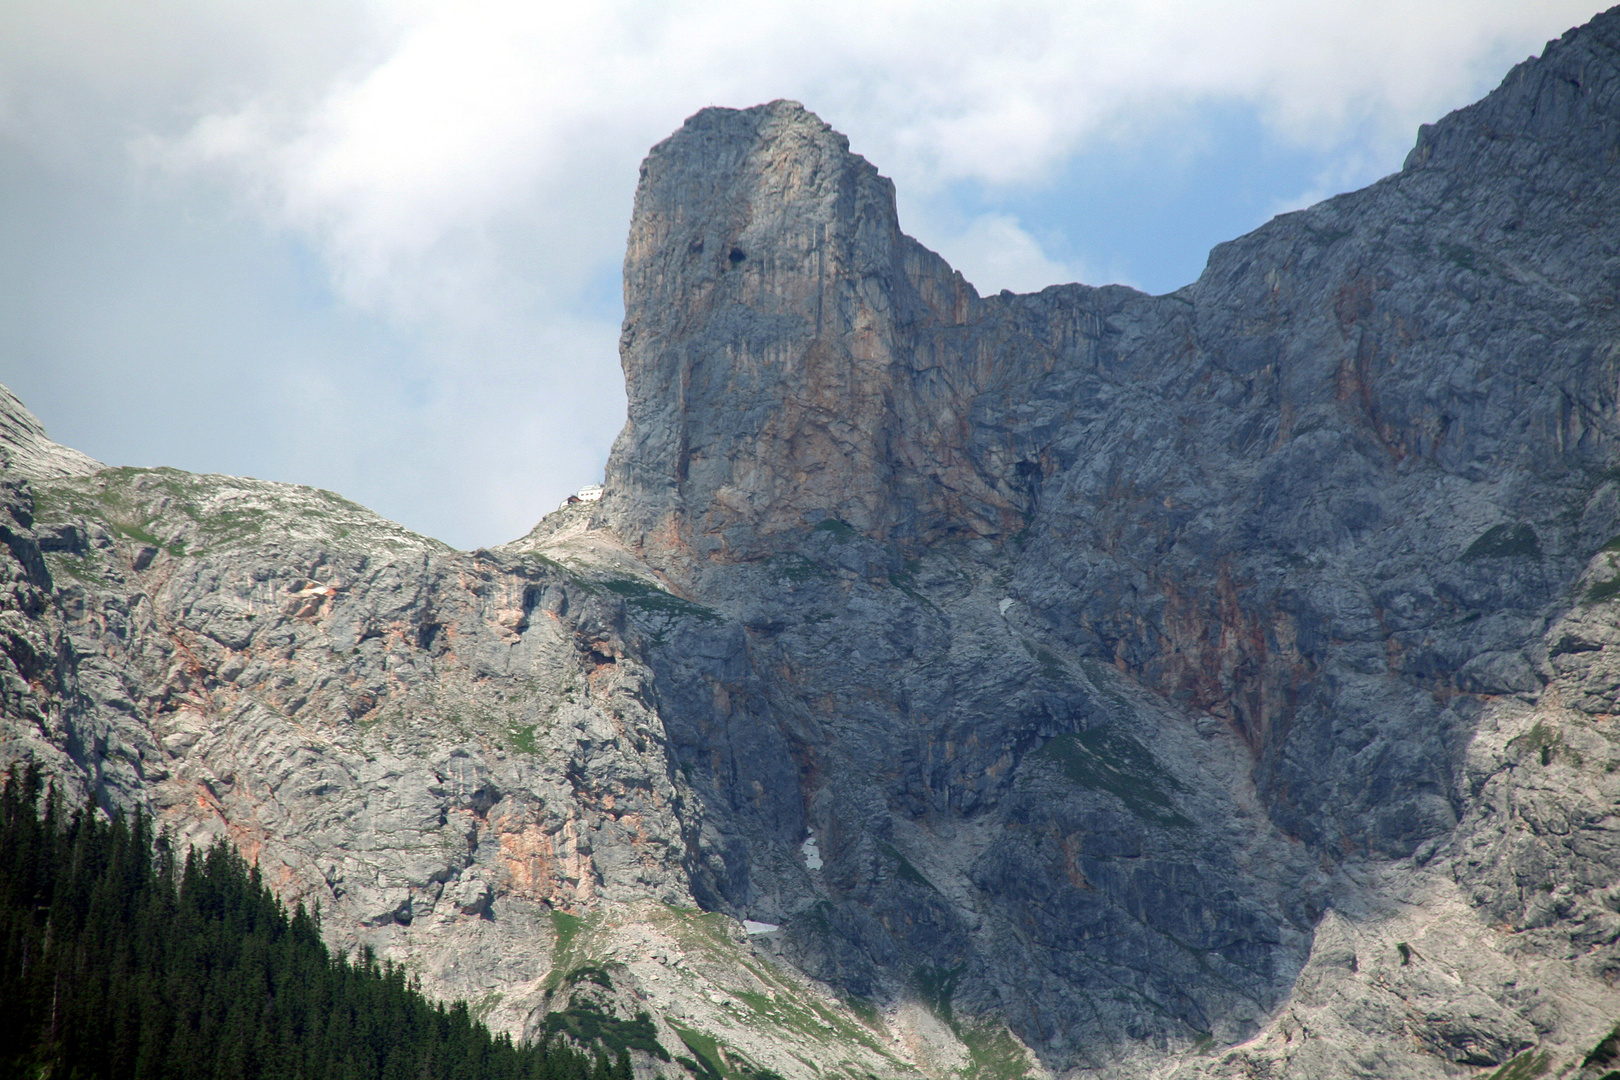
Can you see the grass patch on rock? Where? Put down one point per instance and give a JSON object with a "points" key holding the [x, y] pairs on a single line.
{"points": [[993, 1054], [1051, 667], [711, 1062], [567, 927], [1526, 1066], [191, 514], [1541, 740], [1105, 760], [797, 569], [936, 986], [658, 610], [1604, 1054], [1505, 541], [592, 1027], [903, 866], [841, 531]]}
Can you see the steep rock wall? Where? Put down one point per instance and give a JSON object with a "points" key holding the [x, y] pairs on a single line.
{"points": [[1285, 494], [1332, 499], [790, 354], [1213, 684]]}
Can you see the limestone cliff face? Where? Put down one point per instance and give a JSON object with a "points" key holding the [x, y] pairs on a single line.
{"points": [[1083, 683], [361, 710], [790, 354], [1333, 499], [26, 452], [1286, 494]]}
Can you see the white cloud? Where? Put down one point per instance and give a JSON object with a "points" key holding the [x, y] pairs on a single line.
{"points": [[462, 171], [476, 112], [994, 252]]}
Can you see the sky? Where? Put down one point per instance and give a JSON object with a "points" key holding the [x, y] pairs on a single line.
{"points": [[376, 246]]}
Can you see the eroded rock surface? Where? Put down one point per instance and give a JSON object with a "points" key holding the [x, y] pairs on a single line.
{"points": [[1083, 683], [1331, 501]]}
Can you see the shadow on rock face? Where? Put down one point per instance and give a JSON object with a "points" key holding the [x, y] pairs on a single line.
{"points": [[1086, 628]]}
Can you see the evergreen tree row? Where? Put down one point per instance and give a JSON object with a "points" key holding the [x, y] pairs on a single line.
{"points": [[117, 962]]}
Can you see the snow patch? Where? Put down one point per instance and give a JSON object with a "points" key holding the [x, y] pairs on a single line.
{"points": [[812, 853]]}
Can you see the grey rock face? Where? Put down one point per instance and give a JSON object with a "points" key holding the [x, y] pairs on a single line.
{"points": [[790, 354], [1331, 499], [439, 747], [26, 451], [1212, 684], [458, 756]]}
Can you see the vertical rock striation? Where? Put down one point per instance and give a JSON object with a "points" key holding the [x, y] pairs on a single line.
{"points": [[790, 354], [1270, 495], [1331, 499]]}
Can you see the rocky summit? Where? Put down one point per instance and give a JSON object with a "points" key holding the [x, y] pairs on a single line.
{"points": [[1083, 683]]}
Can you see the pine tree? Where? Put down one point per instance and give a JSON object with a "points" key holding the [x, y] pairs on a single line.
{"points": [[120, 960]]}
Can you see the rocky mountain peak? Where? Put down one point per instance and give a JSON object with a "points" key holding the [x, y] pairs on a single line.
{"points": [[791, 356], [1565, 102], [1075, 684], [785, 349], [25, 449]]}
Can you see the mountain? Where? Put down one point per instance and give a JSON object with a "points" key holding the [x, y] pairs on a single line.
{"points": [[1077, 683]]}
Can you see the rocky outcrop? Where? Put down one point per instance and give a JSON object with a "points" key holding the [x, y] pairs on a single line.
{"points": [[1084, 683], [790, 354], [1333, 498], [441, 748], [1202, 483], [25, 451], [457, 756]]}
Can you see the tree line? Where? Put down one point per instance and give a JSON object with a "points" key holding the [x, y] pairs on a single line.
{"points": [[121, 960]]}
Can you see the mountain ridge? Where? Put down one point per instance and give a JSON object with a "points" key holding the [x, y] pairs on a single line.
{"points": [[1210, 684]]}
